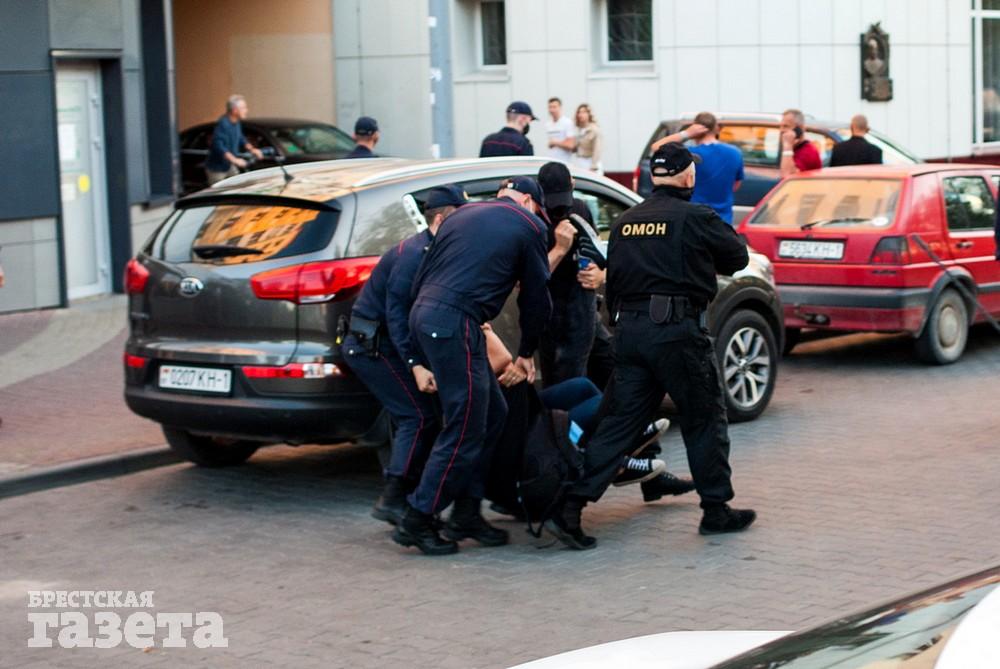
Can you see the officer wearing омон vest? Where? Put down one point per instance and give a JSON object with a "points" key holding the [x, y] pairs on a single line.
{"points": [[663, 257], [378, 349], [478, 255]]}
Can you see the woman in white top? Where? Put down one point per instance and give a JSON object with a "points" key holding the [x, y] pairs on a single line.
{"points": [[587, 154]]}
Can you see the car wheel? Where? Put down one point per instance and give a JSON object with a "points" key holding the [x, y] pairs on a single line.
{"points": [[946, 332], [792, 337], [209, 451], [748, 360]]}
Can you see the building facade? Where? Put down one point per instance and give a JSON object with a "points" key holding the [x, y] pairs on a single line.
{"points": [[88, 143], [637, 62]]}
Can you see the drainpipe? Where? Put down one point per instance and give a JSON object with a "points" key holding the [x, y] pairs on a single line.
{"points": [[442, 123]]}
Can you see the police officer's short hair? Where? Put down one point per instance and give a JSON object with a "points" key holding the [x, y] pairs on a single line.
{"points": [[443, 211], [232, 101]]}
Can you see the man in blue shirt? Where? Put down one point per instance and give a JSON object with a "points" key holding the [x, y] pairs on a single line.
{"points": [[511, 140], [366, 136], [721, 170], [378, 349], [479, 254], [228, 141]]}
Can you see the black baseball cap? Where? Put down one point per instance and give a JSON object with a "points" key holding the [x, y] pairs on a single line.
{"points": [[557, 184], [525, 185], [366, 125], [518, 107], [670, 159], [448, 195]]}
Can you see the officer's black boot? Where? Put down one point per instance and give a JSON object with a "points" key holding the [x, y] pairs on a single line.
{"points": [[565, 525], [391, 504], [418, 529], [665, 484], [719, 519], [467, 522]]}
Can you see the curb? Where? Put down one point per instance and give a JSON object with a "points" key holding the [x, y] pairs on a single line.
{"points": [[89, 469]]}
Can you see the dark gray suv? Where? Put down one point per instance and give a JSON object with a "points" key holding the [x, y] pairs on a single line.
{"points": [[235, 300]]}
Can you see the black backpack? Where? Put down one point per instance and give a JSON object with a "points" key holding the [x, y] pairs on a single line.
{"points": [[534, 462]]}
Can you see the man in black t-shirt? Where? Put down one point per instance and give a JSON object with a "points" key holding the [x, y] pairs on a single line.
{"points": [[857, 150]]}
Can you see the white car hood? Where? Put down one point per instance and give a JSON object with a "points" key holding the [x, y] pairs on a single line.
{"points": [[671, 650]]}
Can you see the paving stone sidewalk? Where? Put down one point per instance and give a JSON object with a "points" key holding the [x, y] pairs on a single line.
{"points": [[61, 387], [873, 476]]}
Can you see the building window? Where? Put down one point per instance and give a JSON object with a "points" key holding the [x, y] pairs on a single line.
{"points": [[986, 36], [493, 33], [630, 30]]}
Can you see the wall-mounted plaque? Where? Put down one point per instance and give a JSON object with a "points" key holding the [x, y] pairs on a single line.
{"points": [[876, 86]]}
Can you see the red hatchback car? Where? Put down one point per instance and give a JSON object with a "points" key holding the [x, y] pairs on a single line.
{"points": [[882, 248]]}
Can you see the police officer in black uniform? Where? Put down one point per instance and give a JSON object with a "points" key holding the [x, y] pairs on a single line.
{"points": [[478, 255], [664, 255], [366, 136], [512, 139]]}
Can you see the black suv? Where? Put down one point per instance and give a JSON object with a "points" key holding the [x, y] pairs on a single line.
{"points": [[235, 299], [758, 138]]}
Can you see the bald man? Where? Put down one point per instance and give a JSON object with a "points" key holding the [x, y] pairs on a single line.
{"points": [[857, 150]]}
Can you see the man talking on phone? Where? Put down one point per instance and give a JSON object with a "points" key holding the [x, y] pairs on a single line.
{"points": [[798, 154]]}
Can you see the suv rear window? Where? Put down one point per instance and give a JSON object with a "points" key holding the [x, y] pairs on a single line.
{"points": [[821, 203], [219, 232]]}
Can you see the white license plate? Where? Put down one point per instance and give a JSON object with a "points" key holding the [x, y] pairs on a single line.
{"points": [[198, 379], [794, 248]]}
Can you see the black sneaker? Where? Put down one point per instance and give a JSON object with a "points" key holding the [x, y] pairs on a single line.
{"points": [[391, 504], [564, 525], [665, 484], [649, 444], [721, 519], [635, 470], [467, 522], [418, 529]]}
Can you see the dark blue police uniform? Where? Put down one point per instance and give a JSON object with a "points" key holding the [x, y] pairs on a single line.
{"points": [[507, 142], [479, 254], [384, 369], [360, 152]]}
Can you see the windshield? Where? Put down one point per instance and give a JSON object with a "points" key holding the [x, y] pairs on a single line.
{"points": [[891, 154], [816, 203], [909, 634], [312, 139]]}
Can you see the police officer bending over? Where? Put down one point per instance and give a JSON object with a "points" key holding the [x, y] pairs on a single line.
{"points": [[663, 258], [378, 349], [478, 255]]}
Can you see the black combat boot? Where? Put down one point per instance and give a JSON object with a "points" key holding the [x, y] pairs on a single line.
{"points": [[564, 525], [719, 519], [665, 484], [467, 522], [391, 504], [418, 529]]}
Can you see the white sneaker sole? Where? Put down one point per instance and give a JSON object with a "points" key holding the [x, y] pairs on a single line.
{"points": [[659, 467]]}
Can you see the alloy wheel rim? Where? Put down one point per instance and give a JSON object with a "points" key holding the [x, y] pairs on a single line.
{"points": [[747, 367]]}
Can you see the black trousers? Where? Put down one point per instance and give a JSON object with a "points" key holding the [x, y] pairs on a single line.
{"points": [[652, 360], [565, 346]]}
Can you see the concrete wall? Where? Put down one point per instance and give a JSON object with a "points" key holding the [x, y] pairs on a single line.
{"points": [[277, 54], [728, 55], [383, 68]]}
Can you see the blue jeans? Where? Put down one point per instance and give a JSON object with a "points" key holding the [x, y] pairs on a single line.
{"points": [[579, 396]]}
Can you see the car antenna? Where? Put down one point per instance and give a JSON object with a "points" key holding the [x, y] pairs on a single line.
{"points": [[281, 165]]}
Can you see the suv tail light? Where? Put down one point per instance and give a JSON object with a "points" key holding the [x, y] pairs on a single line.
{"points": [[135, 361], [891, 251], [136, 276], [635, 177], [314, 282]]}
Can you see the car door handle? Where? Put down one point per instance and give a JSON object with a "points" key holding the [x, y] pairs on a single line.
{"points": [[964, 245]]}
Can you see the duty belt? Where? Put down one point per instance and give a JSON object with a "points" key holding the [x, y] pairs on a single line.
{"points": [[666, 308]]}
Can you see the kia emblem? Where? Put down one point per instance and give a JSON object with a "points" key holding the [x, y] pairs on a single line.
{"points": [[190, 286]]}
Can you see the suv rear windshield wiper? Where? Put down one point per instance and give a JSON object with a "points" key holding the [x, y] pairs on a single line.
{"points": [[224, 251], [832, 221]]}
